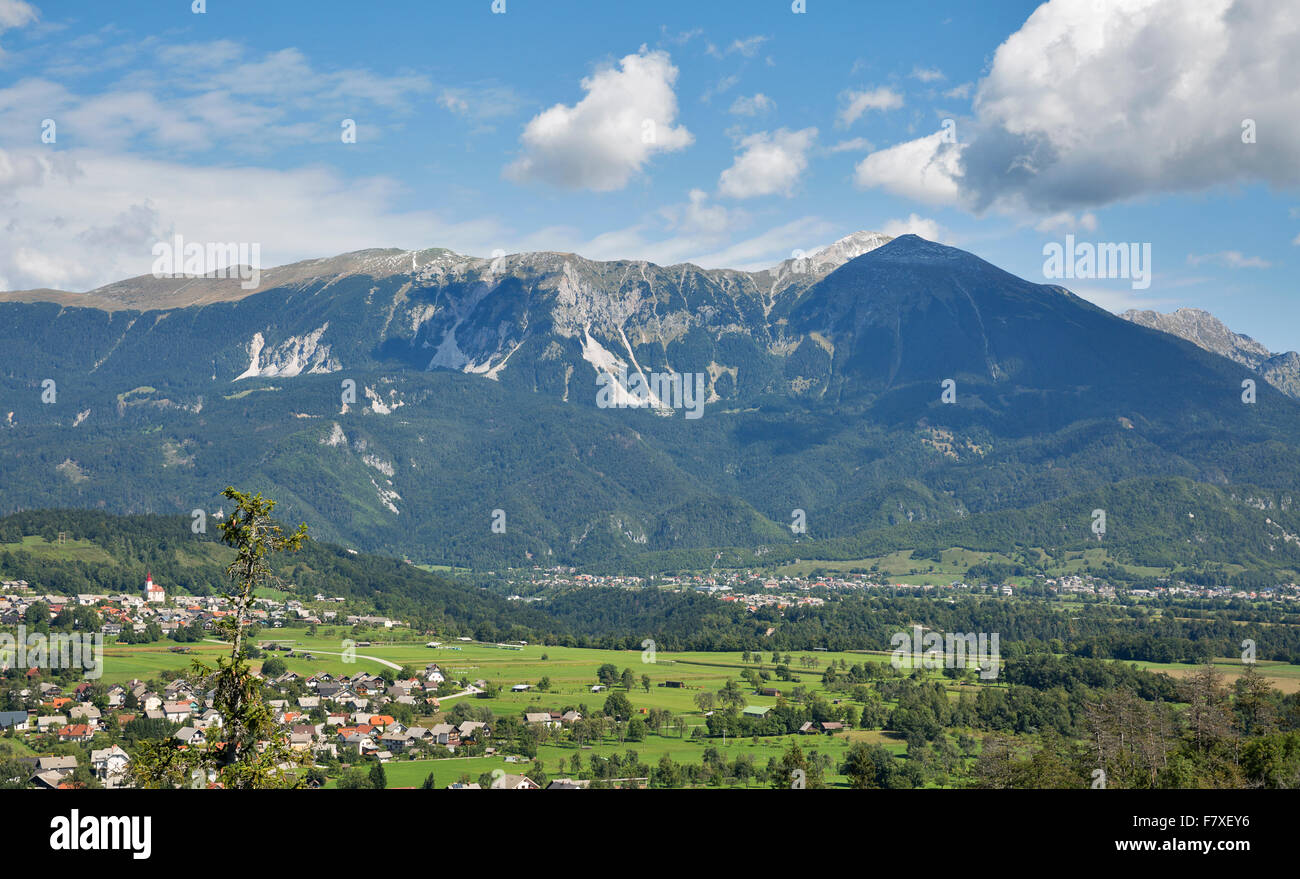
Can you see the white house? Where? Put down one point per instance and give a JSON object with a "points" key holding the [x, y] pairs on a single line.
{"points": [[109, 762]]}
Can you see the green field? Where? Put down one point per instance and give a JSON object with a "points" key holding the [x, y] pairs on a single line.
{"points": [[1283, 676]]}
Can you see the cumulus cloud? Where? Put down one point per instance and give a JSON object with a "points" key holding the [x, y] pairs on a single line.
{"points": [[927, 74], [599, 143], [768, 163], [925, 169], [858, 102], [1091, 103], [755, 106]]}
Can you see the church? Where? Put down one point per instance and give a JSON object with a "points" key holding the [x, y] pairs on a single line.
{"points": [[153, 593]]}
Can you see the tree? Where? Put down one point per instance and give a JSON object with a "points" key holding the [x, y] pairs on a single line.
{"points": [[794, 770], [607, 674], [354, 779], [273, 667], [378, 778], [636, 729], [618, 705], [628, 680], [645, 682], [666, 774], [252, 746], [1207, 713], [1254, 702], [1271, 761], [731, 695], [704, 701], [867, 766]]}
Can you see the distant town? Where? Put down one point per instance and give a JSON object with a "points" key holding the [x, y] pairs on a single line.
{"points": [[756, 591]]}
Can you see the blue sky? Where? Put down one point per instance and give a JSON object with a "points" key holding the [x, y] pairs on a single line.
{"points": [[1112, 120]]}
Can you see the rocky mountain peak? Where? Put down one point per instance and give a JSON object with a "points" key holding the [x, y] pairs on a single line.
{"points": [[1206, 331]]}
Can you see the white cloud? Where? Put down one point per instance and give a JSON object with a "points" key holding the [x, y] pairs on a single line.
{"points": [[959, 92], [1164, 88], [453, 101], [915, 225], [699, 219], [16, 13], [77, 219], [856, 103], [768, 164], [927, 74], [924, 169], [1230, 259], [198, 96], [599, 143], [1091, 103], [726, 84], [755, 106]]}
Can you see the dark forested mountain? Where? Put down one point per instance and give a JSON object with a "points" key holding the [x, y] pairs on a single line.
{"points": [[478, 387]]}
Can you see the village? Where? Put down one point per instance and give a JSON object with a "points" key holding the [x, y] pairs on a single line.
{"points": [[753, 590]]}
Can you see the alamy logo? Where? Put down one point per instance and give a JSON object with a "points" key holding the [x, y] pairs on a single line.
{"points": [[79, 832], [919, 649], [57, 650], [1103, 260], [660, 390], [218, 259]]}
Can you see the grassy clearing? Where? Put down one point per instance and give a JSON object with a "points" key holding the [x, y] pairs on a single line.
{"points": [[76, 550], [1280, 674]]}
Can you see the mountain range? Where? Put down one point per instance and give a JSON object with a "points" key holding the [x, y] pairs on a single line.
{"points": [[1201, 328], [449, 408]]}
